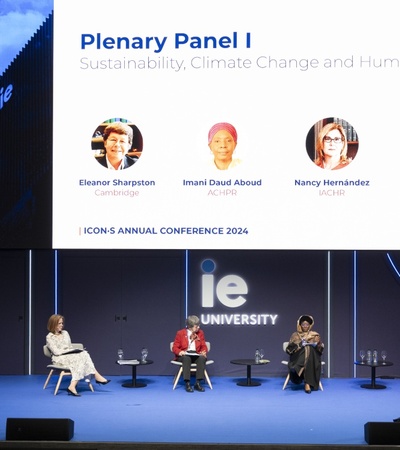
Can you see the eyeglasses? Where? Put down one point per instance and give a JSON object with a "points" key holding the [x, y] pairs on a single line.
{"points": [[335, 140], [118, 141]]}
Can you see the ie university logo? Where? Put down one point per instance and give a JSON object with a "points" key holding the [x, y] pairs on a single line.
{"points": [[230, 291]]}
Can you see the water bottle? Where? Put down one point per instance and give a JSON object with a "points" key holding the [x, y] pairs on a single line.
{"points": [[257, 356], [369, 356], [374, 356]]}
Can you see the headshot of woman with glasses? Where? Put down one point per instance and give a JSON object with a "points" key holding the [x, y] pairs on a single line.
{"points": [[331, 147]]}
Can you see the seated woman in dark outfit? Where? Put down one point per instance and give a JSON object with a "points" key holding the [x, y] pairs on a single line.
{"points": [[305, 349]]}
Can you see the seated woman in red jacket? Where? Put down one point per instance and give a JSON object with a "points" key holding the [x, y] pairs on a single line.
{"points": [[190, 347]]}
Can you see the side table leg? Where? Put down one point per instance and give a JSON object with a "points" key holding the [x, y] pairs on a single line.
{"points": [[134, 376], [248, 381], [373, 384], [248, 375], [134, 383], [373, 377]]}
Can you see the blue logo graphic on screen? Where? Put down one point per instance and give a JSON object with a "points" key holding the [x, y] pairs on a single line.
{"points": [[5, 94], [208, 266]]}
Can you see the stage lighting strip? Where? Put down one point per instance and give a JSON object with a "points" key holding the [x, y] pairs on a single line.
{"points": [[393, 265], [30, 314], [355, 352], [55, 282], [329, 314], [186, 282]]}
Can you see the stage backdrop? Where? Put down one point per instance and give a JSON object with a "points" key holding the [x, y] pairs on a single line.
{"points": [[246, 299]]}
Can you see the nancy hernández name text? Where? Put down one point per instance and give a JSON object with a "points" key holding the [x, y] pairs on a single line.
{"points": [[332, 188]]}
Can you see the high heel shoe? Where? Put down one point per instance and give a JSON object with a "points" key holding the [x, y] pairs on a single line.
{"points": [[75, 394], [103, 382], [307, 389]]}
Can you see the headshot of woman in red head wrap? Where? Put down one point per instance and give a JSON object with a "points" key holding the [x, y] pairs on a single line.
{"points": [[222, 140]]}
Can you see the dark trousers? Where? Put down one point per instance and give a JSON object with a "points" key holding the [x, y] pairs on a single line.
{"points": [[187, 360]]}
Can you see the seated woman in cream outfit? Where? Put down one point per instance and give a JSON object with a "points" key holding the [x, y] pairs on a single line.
{"points": [[80, 364]]}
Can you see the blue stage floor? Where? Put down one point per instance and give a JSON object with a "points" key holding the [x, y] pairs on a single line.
{"points": [[226, 414]]}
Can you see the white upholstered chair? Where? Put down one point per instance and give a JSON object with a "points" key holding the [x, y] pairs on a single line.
{"points": [[60, 370], [285, 344], [192, 368]]}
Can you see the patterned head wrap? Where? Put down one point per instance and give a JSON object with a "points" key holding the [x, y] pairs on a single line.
{"points": [[222, 126], [307, 318]]}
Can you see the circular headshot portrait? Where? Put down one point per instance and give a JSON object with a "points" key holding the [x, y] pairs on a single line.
{"points": [[332, 143], [222, 141], [117, 144]]}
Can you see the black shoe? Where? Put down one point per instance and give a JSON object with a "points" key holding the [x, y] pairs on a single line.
{"points": [[307, 389], [188, 387], [198, 387], [75, 394], [103, 382]]}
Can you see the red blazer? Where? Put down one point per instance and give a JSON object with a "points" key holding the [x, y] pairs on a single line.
{"points": [[181, 342]]}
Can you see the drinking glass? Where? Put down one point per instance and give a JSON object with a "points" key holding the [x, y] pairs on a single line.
{"points": [[383, 355], [362, 354], [145, 352], [261, 353], [120, 354]]}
